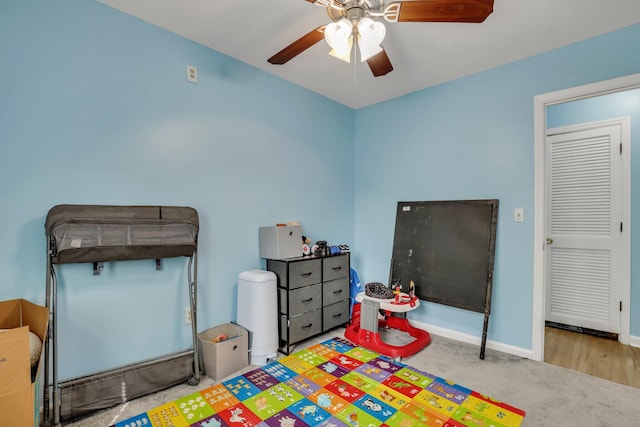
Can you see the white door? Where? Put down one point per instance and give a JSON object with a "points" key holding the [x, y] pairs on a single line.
{"points": [[584, 228]]}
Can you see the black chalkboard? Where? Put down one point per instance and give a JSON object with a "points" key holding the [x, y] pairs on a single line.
{"points": [[447, 249]]}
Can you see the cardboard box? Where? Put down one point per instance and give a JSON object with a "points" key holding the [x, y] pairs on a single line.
{"points": [[224, 358], [20, 398], [280, 242]]}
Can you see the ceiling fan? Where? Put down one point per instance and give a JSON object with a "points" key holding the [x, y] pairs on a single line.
{"points": [[359, 21]]}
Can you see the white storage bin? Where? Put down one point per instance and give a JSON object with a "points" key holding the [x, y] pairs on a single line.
{"points": [[280, 242], [223, 358]]}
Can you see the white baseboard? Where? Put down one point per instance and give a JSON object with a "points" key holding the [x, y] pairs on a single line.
{"points": [[472, 339], [634, 341]]}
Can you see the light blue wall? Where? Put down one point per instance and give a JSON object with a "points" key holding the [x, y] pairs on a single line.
{"points": [[473, 139], [613, 106], [95, 109]]}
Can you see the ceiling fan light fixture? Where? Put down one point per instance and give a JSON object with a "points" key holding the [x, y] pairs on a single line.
{"points": [[355, 21], [339, 35], [370, 37], [343, 54]]}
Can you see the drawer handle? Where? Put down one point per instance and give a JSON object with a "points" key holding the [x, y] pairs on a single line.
{"points": [[338, 268], [339, 291], [307, 300], [307, 274], [307, 326], [335, 316]]}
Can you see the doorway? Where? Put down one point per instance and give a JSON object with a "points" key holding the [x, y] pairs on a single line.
{"points": [[541, 104]]}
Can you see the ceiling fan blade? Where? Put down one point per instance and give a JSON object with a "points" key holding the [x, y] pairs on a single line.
{"points": [[473, 11], [380, 64], [298, 46]]}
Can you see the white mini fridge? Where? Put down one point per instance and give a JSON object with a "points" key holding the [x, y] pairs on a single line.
{"points": [[258, 313]]}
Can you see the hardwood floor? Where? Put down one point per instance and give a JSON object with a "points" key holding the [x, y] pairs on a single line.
{"points": [[600, 357]]}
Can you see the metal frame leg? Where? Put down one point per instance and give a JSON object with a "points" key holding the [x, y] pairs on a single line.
{"points": [[51, 398], [47, 349], [193, 303]]}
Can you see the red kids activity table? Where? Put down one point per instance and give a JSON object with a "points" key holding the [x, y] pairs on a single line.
{"points": [[365, 323]]}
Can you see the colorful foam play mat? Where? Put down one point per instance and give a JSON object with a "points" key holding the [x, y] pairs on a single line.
{"points": [[334, 383]]}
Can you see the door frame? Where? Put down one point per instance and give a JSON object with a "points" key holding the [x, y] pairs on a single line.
{"points": [[541, 102]]}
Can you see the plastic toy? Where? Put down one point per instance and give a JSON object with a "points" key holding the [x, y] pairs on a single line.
{"points": [[220, 338], [397, 291]]}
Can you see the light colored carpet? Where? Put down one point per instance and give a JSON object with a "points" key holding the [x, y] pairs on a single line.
{"points": [[550, 395]]}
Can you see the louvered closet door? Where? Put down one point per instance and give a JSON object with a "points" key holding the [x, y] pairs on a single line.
{"points": [[583, 248]]}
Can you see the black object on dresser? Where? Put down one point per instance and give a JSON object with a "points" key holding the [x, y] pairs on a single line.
{"points": [[313, 296]]}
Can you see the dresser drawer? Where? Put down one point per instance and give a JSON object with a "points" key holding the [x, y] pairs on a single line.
{"points": [[335, 290], [301, 327], [335, 315], [301, 300], [335, 267], [303, 273]]}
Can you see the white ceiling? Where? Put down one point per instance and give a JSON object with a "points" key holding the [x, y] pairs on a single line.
{"points": [[422, 54]]}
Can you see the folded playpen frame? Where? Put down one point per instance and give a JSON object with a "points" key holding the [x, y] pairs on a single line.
{"points": [[96, 234]]}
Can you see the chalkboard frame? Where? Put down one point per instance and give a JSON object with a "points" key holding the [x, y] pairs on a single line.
{"points": [[447, 247]]}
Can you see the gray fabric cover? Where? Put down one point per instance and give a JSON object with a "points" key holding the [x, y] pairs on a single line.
{"points": [[92, 393], [95, 233]]}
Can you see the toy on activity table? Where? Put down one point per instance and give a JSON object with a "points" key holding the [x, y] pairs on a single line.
{"points": [[365, 321], [402, 298], [397, 290]]}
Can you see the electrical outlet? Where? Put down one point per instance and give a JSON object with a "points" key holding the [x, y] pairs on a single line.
{"points": [[187, 315], [192, 73]]}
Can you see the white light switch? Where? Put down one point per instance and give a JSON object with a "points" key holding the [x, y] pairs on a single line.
{"points": [[518, 215]]}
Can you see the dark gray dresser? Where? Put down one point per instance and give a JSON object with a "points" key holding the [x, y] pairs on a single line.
{"points": [[313, 296]]}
